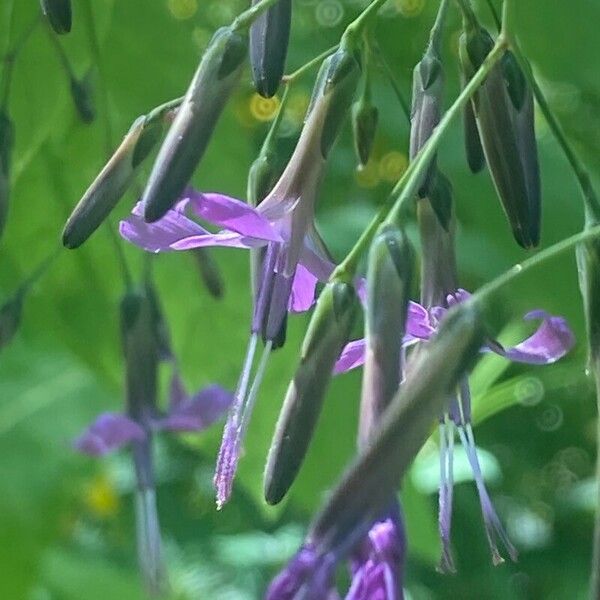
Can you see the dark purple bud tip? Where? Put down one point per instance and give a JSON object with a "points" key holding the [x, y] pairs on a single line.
{"points": [[269, 37], [364, 127], [59, 14]]}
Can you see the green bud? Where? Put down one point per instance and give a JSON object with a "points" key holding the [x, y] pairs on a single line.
{"points": [[112, 182], [58, 13], [367, 486], [159, 324], [474, 151], [327, 334], [191, 130], [389, 277], [83, 97], [10, 318], [498, 131], [269, 37], [364, 126], [516, 84], [339, 78], [427, 96], [440, 197], [209, 271]]}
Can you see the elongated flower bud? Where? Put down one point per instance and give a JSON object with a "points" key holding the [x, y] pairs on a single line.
{"points": [[389, 278], [473, 149], [58, 13], [6, 146], [269, 37], [327, 333], [192, 128], [339, 76], [516, 84], [366, 488], [209, 271], [112, 183], [440, 197], [500, 137], [364, 126], [428, 88], [83, 97]]}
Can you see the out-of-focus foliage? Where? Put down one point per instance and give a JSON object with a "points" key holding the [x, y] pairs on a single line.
{"points": [[66, 522]]}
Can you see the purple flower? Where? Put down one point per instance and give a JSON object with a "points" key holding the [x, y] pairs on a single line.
{"points": [[376, 567], [111, 431], [550, 342]]}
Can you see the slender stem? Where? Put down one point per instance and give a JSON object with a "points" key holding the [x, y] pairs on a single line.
{"points": [[491, 288], [267, 146], [595, 574], [62, 56], [435, 35], [356, 28], [407, 186], [159, 112], [245, 19], [309, 65], [40, 270], [390, 74], [495, 15]]}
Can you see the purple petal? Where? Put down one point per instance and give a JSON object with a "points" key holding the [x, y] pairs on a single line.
{"points": [[197, 412], [161, 235], [232, 214], [352, 356], [303, 290], [552, 340], [418, 322], [108, 432], [224, 238]]}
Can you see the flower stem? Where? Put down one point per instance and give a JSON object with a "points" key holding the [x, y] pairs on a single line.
{"points": [[159, 112], [356, 28], [406, 187], [487, 291], [309, 65], [395, 87], [245, 19], [595, 574]]}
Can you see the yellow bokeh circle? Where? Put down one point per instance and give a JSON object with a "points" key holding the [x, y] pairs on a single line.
{"points": [[101, 497], [367, 176], [263, 109], [410, 8], [182, 9], [392, 166]]}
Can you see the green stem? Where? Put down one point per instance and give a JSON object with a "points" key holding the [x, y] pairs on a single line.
{"points": [[309, 65], [390, 74], [245, 19], [158, 112], [484, 293], [62, 56], [407, 186], [467, 13], [269, 142], [40, 270], [495, 15], [356, 28], [435, 35], [595, 575]]}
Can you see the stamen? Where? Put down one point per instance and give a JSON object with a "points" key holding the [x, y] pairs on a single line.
{"points": [[446, 489], [258, 377], [148, 541], [229, 450]]}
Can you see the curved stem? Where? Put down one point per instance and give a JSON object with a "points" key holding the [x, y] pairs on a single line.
{"points": [[309, 65], [435, 35], [495, 15], [390, 74], [245, 19]]}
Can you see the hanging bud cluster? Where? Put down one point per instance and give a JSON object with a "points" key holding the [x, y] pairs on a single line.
{"points": [[503, 109], [269, 38]]}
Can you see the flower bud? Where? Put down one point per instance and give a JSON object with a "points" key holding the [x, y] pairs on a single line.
{"points": [[10, 318], [209, 271], [328, 331], [192, 128], [364, 126], [440, 197], [428, 87], [389, 277], [58, 13], [501, 140], [516, 84], [112, 182], [83, 97], [473, 149], [366, 488], [6, 145], [269, 37], [334, 90]]}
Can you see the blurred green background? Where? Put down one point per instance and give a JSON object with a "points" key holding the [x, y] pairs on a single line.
{"points": [[66, 521]]}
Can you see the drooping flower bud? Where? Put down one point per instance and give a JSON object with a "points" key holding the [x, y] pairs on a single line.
{"points": [[428, 88], [112, 182], [209, 271], [506, 136], [473, 149], [389, 278], [365, 490], [58, 13], [364, 126], [327, 333], [338, 77], [6, 146], [192, 128], [83, 97], [269, 37]]}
